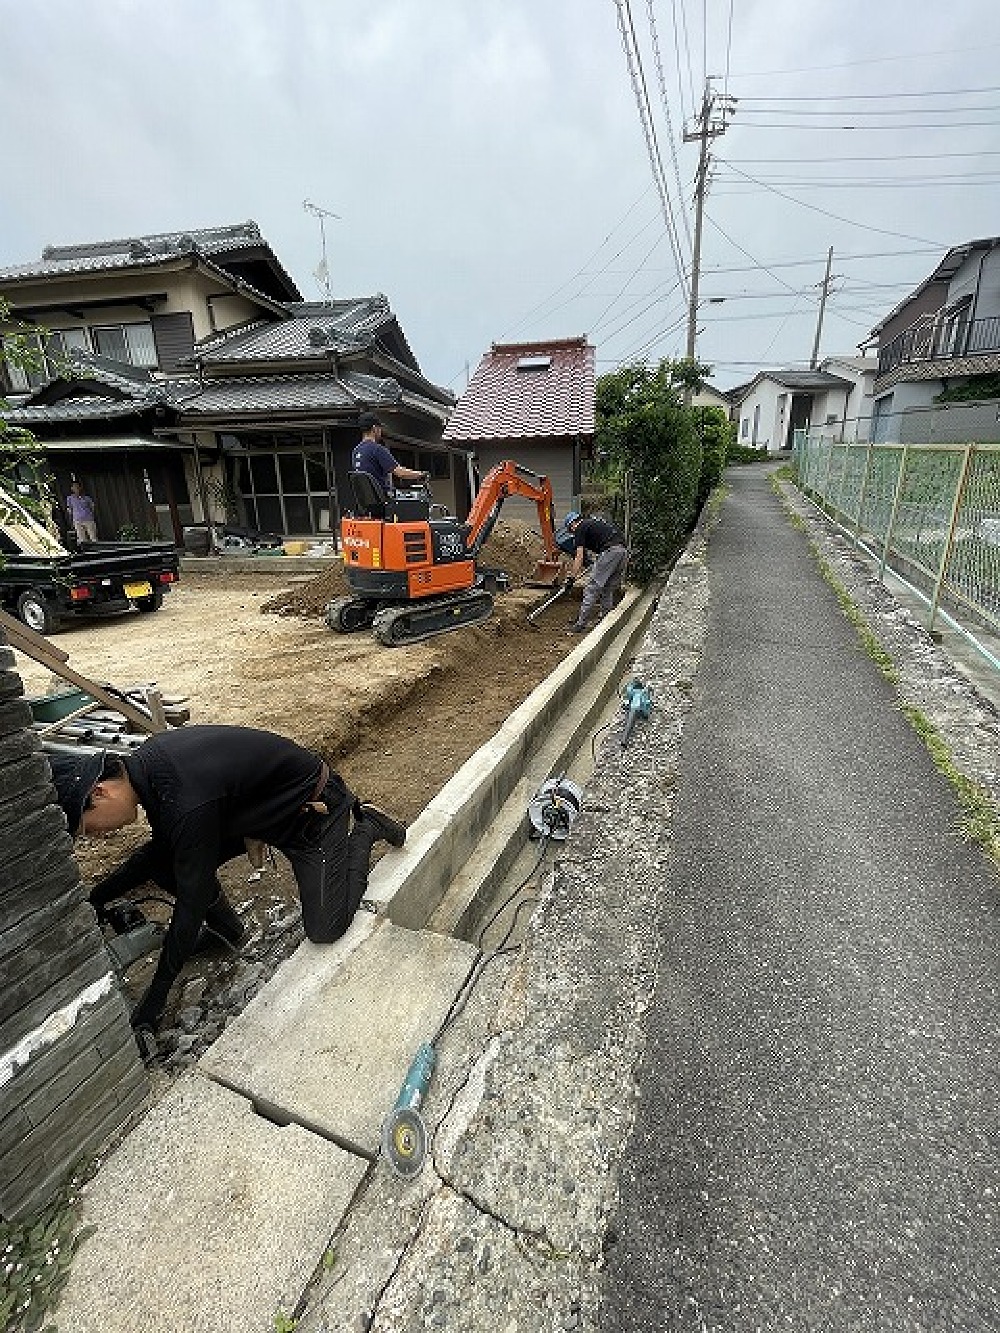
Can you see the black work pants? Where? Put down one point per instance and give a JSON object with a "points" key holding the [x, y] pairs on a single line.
{"points": [[332, 874]]}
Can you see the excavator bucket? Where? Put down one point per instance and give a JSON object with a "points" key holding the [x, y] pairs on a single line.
{"points": [[544, 574]]}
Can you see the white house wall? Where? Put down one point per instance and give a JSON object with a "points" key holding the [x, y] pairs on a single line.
{"points": [[980, 270]]}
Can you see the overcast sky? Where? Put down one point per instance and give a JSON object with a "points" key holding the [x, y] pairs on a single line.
{"points": [[487, 163]]}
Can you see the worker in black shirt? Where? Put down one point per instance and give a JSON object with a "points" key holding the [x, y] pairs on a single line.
{"points": [[606, 544], [208, 792]]}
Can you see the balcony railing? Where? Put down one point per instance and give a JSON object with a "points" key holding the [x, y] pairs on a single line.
{"points": [[944, 340]]}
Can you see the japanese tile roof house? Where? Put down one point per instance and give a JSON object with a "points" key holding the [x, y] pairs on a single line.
{"points": [[183, 374], [533, 402]]}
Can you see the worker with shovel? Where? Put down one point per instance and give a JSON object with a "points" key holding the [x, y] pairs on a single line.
{"points": [[208, 791], [606, 544]]}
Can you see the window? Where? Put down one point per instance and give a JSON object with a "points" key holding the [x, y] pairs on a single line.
{"points": [[282, 486], [436, 464], [534, 362], [52, 350], [131, 343]]}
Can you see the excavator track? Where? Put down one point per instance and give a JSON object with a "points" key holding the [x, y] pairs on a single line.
{"points": [[423, 620], [348, 614]]}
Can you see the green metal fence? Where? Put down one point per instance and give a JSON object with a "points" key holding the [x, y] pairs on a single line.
{"points": [[931, 513]]}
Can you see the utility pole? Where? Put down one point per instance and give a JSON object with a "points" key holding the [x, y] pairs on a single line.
{"points": [[825, 284], [712, 121]]}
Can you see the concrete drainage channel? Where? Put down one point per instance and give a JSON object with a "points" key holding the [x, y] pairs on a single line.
{"points": [[240, 1175]]}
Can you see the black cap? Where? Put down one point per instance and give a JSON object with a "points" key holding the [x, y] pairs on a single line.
{"points": [[368, 420], [75, 776]]}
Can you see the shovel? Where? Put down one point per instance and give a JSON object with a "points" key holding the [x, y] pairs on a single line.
{"points": [[561, 591]]}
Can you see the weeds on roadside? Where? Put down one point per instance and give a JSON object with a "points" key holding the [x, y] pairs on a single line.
{"points": [[36, 1257]]}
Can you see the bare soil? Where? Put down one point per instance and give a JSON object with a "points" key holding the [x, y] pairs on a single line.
{"points": [[253, 649]]}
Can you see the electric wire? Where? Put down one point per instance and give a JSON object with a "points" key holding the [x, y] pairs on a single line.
{"points": [[871, 157], [679, 4], [665, 103], [873, 97], [633, 62], [655, 299], [867, 129], [484, 960], [546, 839], [729, 48], [589, 260], [596, 324], [872, 60], [876, 111], [677, 63], [882, 231]]}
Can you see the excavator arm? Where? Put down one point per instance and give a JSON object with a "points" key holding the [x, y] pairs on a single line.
{"points": [[506, 479]]}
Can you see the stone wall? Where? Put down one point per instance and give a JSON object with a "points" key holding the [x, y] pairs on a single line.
{"points": [[70, 1073]]}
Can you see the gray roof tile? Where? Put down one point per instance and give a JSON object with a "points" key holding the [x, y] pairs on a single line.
{"points": [[133, 251], [311, 332], [88, 407], [291, 393]]}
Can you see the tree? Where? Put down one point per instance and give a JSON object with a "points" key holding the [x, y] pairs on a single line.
{"points": [[23, 472], [650, 445]]}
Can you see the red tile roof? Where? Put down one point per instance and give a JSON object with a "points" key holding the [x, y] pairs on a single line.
{"points": [[527, 390]]}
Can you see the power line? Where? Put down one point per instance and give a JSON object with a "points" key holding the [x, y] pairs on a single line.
{"points": [[633, 60], [874, 60], [886, 157], [665, 102], [729, 48], [535, 310], [874, 97], [882, 231], [877, 111], [677, 63], [679, 4], [869, 129], [798, 263], [978, 179], [635, 271]]}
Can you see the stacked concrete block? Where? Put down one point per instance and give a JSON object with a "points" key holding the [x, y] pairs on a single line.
{"points": [[70, 1073]]}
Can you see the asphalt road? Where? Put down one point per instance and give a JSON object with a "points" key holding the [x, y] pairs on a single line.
{"points": [[818, 1137]]}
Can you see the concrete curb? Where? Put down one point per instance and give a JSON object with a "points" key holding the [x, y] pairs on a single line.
{"points": [[459, 825]]}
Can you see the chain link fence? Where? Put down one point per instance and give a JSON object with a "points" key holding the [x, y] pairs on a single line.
{"points": [[931, 513]]}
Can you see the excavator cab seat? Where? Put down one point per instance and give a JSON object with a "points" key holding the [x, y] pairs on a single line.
{"points": [[369, 496]]}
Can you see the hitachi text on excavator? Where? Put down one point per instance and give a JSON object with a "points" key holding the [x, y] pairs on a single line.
{"points": [[413, 575]]}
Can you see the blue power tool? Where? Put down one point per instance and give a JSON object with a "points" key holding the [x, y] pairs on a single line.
{"points": [[404, 1138], [638, 703]]}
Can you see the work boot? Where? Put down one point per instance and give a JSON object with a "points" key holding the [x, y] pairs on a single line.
{"points": [[388, 828]]}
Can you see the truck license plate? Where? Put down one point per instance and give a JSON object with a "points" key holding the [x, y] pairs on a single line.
{"points": [[138, 590]]}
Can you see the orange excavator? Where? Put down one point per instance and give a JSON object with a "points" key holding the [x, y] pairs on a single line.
{"points": [[412, 567]]}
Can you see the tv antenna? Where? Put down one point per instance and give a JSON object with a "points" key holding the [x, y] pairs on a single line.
{"points": [[322, 272]]}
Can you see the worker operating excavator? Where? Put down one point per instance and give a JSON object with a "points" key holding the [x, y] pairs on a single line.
{"points": [[371, 456], [412, 575]]}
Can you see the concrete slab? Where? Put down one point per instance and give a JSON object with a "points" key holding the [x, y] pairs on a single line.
{"points": [[328, 1041], [209, 1219]]}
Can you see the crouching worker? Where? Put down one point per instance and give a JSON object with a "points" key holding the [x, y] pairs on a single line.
{"points": [[206, 791]]}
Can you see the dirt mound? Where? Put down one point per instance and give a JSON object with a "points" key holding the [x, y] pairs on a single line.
{"points": [[513, 547], [310, 598]]}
